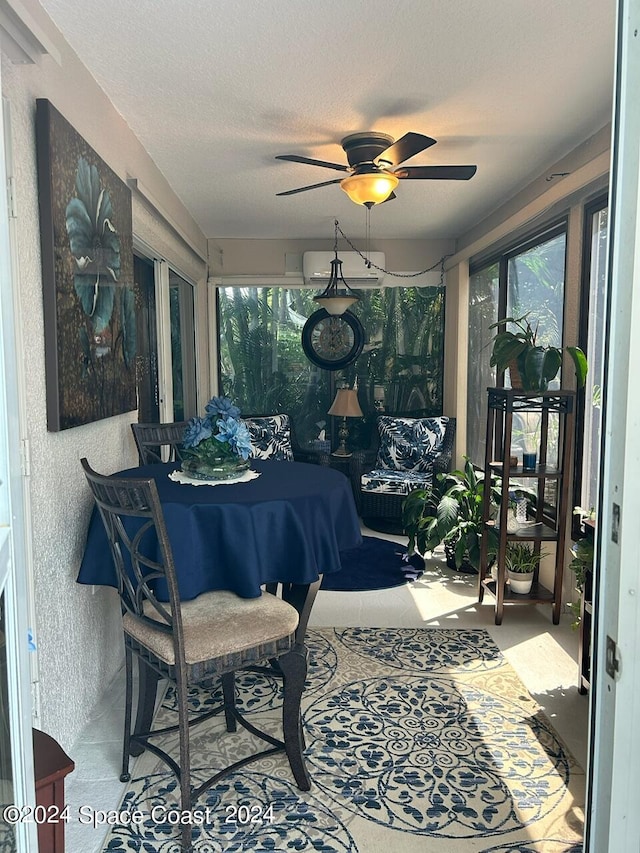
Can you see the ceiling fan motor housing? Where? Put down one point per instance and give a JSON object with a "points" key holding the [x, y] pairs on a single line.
{"points": [[365, 147]]}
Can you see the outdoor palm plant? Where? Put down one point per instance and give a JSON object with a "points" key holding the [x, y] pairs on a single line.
{"points": [[450, 514]]}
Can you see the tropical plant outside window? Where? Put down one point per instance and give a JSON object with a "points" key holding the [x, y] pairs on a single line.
{"points": [[264, 370], [483, 311]]}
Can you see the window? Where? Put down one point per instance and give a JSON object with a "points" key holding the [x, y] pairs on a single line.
{"points": [[528, 278], [591, 340], [183, 353], [483, 311], [264, 369], [166, 358]]}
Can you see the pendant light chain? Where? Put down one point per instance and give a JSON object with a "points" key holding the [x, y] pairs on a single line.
{"points": [[440, 263]]}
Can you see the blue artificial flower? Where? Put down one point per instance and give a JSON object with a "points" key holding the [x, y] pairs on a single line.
{"points": [[236, 435], [221, 407], [197, 430]]}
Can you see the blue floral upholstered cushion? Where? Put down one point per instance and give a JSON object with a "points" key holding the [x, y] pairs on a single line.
{"points": [[409, 444], [270, 438], [388, 482]]}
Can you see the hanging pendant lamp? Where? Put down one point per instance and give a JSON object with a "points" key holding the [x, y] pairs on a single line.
{"points": [[337, 296]]}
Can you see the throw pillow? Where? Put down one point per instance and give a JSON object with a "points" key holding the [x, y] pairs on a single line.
{"points": [[409, 444], [270, 437]]}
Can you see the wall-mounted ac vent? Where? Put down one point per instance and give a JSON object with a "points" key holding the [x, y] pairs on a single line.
{"points": [[316, 268]]}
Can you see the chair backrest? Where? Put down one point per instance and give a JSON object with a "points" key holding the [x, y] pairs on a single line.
{"points": [[409, 443], [271, 437], [152, 438], [132, 516]]}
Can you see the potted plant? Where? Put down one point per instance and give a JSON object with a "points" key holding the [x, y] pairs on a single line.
{"points": [[582, 562], [450, 514], [532, 366], [521, 561]]}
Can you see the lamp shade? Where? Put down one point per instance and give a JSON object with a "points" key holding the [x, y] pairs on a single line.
{"points": [[346, 404], [370, 187], [335, 304]]}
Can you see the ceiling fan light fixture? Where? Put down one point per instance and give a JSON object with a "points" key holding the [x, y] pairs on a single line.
{"points": [[370, 187]]}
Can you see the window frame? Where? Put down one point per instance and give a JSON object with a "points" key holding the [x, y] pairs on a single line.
{"points": [[590, 210]]}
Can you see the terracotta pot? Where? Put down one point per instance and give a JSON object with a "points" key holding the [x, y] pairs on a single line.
{"points": [[514, 373]]}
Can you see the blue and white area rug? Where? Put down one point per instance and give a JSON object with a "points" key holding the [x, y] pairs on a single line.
{"points": [[418, 741]]}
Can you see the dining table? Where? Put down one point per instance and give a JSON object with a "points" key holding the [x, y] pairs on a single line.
{"points": [[282, 531]]}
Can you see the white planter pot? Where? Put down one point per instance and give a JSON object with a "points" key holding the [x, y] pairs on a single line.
{"points": [[520, 582]]}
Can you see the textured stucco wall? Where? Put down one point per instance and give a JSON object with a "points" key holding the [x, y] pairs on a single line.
{"points": [[78, 632]]}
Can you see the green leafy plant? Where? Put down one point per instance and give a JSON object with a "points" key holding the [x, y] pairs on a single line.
{"points": [[582, 563], [537, 364], [450, 513], [520, 558]]}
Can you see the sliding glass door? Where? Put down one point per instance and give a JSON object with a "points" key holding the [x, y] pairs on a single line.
{"points": [[166, 360]]}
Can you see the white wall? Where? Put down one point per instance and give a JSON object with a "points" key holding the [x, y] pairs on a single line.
{"points": [[79, 637], [267, 257]]}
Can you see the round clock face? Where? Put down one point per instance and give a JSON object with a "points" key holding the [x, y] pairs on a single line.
{"points": [[332, 342]]}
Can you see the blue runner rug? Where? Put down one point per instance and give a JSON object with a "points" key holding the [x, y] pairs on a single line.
{"points": [[376, 564]]}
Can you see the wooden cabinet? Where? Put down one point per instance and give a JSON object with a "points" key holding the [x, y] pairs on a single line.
{"points": [[549, 479], [51, 765]]}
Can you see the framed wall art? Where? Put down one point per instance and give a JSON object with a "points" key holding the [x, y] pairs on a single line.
{"points": [[87, 278]]}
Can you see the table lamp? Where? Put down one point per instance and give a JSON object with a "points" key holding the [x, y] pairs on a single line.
{"points": [[345, 406]]}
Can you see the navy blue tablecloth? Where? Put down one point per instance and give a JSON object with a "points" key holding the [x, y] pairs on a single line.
{"points": [[288, 525]]}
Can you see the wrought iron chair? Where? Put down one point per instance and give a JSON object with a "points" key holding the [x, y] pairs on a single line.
{"points": [[151, 439], [380, 504], [194, 642]]}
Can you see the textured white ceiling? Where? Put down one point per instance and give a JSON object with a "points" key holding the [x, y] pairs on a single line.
{"points": [[214, 89]]}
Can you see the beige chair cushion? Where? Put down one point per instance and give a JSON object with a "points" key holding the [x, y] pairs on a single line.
{"points": [[216, 625]]}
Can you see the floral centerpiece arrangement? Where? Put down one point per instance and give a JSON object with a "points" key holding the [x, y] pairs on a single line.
{"points": [[218, 445]]}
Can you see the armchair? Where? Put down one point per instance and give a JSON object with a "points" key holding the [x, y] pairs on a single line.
{"points": [[406, 453]]}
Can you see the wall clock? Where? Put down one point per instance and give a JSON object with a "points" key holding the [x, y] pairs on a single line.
{"points": [[332, 342]]}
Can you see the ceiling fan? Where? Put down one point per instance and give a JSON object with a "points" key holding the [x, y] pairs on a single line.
{"points": [[373, 160]]}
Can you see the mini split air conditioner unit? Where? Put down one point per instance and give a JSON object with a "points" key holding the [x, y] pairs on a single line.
{"points": [[316, 268]]}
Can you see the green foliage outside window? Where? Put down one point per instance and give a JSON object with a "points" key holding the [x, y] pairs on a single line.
{"points": [[264, 369]]}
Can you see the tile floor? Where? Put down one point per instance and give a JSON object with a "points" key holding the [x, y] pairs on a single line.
{"points": [[544, 656]]}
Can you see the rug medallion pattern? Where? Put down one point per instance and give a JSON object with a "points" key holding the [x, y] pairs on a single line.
{"points": [[417, 740]]}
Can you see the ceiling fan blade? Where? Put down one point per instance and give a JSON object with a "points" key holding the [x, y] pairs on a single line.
{"points": [[403, 148], [436, 173], [391, 198], [296, 158], [310, 187]]}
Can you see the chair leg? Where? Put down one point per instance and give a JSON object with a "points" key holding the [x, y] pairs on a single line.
{"points": [[147, 690], [125, 776], [229, 694], [185, 756], [294, 671]]}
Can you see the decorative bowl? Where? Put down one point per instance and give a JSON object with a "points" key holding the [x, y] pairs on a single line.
{"points": [[223, 469]]}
